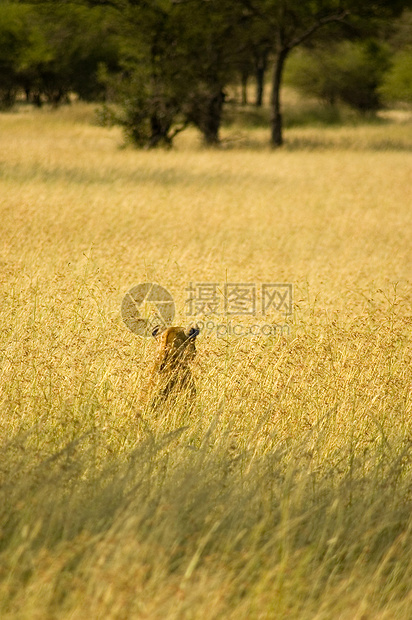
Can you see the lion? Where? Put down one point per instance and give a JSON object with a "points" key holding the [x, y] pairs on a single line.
{"points": [[171, 374]]}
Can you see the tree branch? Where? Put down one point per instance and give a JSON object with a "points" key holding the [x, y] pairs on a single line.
{"points": [[337, 17]]}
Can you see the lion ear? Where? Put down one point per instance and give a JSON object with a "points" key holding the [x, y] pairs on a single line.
{"points": [[158, 330], [192, 332]]}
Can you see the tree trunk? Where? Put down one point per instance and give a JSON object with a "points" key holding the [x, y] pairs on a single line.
{"points": [[260, 70], [276, 120], [204, 110], [245, 76], [260, 77], [213, 118], [159, 132]]}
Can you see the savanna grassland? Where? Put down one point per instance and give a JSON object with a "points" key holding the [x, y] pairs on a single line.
{"points": [[286, 491]]}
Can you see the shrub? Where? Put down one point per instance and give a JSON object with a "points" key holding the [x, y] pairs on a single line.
{"points": [[351, 73], [397, 83]]}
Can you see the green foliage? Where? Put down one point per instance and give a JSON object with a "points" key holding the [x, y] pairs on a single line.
{"points": [[212, 45], [294, 23], [400, 32], [147, 85], [397, 83], [50, 50], [176, 61], [351, 72], [20, 45], [94, 44], [79, 40], [168, 63]]}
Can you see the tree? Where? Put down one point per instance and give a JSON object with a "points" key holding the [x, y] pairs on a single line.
{"points": [[169, 61], [148, 85], [293, 22], [79, 40], [177, 58], [49, 50], [211, 44], [349, 71], [254, 44], [397, 83], [21, 44]]}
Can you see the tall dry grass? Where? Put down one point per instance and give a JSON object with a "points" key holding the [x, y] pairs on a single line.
{"points": [[286, 491]]}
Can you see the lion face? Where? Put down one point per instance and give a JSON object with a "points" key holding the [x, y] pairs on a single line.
{"points": [[176, 347], [176, 350]]}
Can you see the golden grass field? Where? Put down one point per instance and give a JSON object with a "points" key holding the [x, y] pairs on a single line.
{"points": [[285, 492]]}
